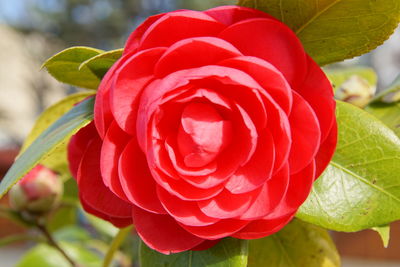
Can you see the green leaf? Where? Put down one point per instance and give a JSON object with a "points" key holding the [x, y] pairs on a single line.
{"points": [[57, 160], [101, 63], [297, 244], [229, 252], [388, 113], [46, 256], [64, 66], [384, 233], [339, 76], [360, 189], [48, 141], [334, 30]]}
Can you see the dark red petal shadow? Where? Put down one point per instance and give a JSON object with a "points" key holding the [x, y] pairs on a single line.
{"points": [[92, 189]]}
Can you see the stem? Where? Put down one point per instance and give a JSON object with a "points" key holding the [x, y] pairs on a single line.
{"points": [[115, 244], [54, 244]]}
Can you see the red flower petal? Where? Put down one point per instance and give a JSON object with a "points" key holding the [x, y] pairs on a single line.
{"points": [[263, 228], [267, 76], [113, 145], [297, 192], [270, 196], [189, 174], [184, 190], [203, 134], [186, 212], [306, 134], [77, 147], [102, 110], [154, 92], [185, 24], [272, 41], [258, 170], [227, 205], [134, 39], [185, 54], [162, 233], [326, 151], [231, 14], [131, 78], [318, 92], [119, 222], [92, 188], [278, 124], [136, 179], [217, 230]]}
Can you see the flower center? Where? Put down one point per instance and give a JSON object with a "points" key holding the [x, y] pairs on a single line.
{"points": [[203, 134]]}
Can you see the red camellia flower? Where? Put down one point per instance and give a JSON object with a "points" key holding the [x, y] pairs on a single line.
{"points": [[212, 124]]}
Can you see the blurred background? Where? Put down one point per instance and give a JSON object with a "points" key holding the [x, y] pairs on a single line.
{"points": [[33, 30]]}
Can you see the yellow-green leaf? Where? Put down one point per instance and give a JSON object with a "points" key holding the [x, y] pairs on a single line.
{"points": [[101, 63], [298, 244], [334, 30], [48, 141], [384, 233], [57, 160], [64, 66], [360, 189]]}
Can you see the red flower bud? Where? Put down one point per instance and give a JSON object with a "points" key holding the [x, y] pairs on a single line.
{"points": [[38, 192]]}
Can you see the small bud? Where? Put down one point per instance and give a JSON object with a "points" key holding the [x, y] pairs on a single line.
{"points": [[356, 91], [38, 192]]}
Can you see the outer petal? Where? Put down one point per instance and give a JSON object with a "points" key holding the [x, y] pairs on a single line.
{"points": [[134, 39], [326, 151], [306, 134], [136, 179], [162, 233], [102, 109], [131, 78], [77, 147], [262, 228], [185, 54], [272, 41], [185, 24], [217, 230], [113, 145], [92, 189], [318, 92], [297, 192], [231, 14], [116, 221]]}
